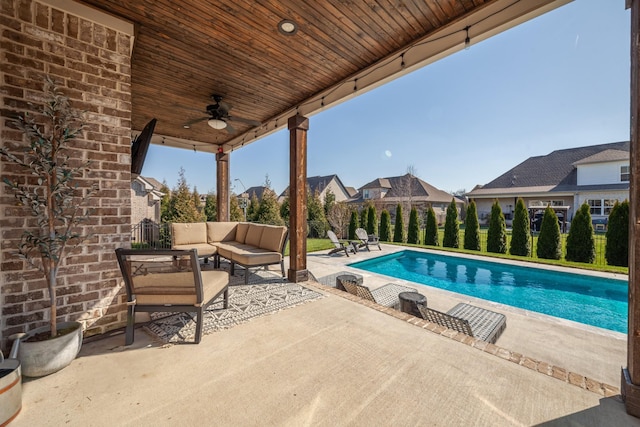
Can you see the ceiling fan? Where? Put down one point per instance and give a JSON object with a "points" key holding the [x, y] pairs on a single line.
{"points": [[219, 117]]}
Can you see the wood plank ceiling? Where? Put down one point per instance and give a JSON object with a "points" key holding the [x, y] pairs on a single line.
{"points": [[187, 50]]}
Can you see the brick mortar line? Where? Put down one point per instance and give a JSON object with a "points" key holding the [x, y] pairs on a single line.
{"points": [[559, 373]]}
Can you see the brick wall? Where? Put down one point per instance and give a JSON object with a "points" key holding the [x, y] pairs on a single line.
{"points": [[92, 63]]}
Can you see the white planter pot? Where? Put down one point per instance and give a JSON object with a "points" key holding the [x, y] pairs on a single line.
{"points": [[46, 357]]}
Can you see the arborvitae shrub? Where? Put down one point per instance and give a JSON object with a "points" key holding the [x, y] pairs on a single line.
{"points": [[413, 233], [364, 213], [549, 245], [451, 228], [497, 233], [617, 248], [385, 226], [472, 228], [372, 220], [521, 231], [398, 230], [353, 224], [431, 229], [581, 245]]}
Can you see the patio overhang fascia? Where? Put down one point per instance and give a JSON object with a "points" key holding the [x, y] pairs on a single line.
{"points": [[482, 24]]}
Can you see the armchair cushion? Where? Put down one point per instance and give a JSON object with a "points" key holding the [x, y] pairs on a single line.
{"points": [[241, 232], [221, 231], [254, 235], [186, 234]]}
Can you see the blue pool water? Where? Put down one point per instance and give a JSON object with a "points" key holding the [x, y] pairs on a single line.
{"points": [[590, 300]]}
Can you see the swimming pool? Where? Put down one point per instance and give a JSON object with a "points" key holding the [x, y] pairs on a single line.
{"points": [[591, 300]]}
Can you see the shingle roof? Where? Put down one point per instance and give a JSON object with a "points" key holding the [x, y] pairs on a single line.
{"points": [[399, 186], [258, 191], [157, 185], [604, 156], [319, 183], [555, 169]]}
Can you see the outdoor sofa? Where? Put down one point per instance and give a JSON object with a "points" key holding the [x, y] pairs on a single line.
{"points": [[246, 244]]}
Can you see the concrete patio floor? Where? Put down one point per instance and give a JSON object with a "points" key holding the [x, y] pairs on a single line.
{"points": [[333, 361]]}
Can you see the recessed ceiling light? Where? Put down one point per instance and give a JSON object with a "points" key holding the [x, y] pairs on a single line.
{"points": [[287, 27]]}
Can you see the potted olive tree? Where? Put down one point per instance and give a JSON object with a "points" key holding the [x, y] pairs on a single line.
{"points": [[49, 190]]}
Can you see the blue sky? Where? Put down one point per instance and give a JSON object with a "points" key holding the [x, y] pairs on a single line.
{"points": [[558, 81]]}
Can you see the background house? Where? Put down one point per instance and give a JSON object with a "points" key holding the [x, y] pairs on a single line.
{"points": [[146, 195], [408, 190], [324, 184], [596, 174]]}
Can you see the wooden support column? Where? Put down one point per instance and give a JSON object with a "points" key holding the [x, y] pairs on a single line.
{"points": [[222, 186], [630, 384], [298, 127]]}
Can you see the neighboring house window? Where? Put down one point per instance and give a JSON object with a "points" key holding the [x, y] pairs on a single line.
{"points": [[608, 205], [366, 194], [595, 206], [624, 173]]}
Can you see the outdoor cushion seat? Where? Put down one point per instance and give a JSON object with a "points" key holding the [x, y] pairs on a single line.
{"points": [[480, 323], [204, 249], [255, 256], [169, 281]]}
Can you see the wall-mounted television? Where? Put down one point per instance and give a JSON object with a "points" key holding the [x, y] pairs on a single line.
{"points": [[140, 146]]}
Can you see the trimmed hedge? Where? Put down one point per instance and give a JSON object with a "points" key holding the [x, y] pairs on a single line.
{"points": [[431, 229], [521, 231], [472, 228], [451, 228]]}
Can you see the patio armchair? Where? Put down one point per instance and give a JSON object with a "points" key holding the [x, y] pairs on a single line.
{"points": [[169, 281], [480, 323], [367, 239], [339, 246], [387, 295]]}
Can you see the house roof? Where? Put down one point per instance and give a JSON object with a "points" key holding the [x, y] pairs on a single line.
{"points": [[555, 171], [604, 156], [399, 187], [319, 183], [258, 191], [351, 191], [157, 185]]}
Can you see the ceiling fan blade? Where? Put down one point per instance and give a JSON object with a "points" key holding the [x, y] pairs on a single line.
{"points": [[245, 121], [230, 129], [191, 122], [225, 107]]}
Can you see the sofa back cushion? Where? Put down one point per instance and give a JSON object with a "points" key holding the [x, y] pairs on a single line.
{"points": [[272, 237], [221, 231], [254, 234], [241, 232], [188, 233]]}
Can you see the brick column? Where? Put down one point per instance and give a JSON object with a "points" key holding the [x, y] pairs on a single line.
{"points": [[92, 62]]}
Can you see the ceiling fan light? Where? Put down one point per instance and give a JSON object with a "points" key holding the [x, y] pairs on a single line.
{"points": [[217, 124]]}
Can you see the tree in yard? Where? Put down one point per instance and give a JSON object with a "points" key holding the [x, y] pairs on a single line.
{"points": [[268, 211], [165, 203], [329, 201], [472, 228], [210, 207], [385, 226], [413, 232], [182, 205], [497, 233], [338, 218], [431, 228], [316, 220], [398, 231], [617, 247], [254, 205], [353, 225], [364, 215], [581, 245], [372, 220], [549, 245], [521, 231], [284, 209], [235, 211], [451, 228]]}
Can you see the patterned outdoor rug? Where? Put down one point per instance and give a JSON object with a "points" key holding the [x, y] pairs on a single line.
{"points": [[266, 293]]}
